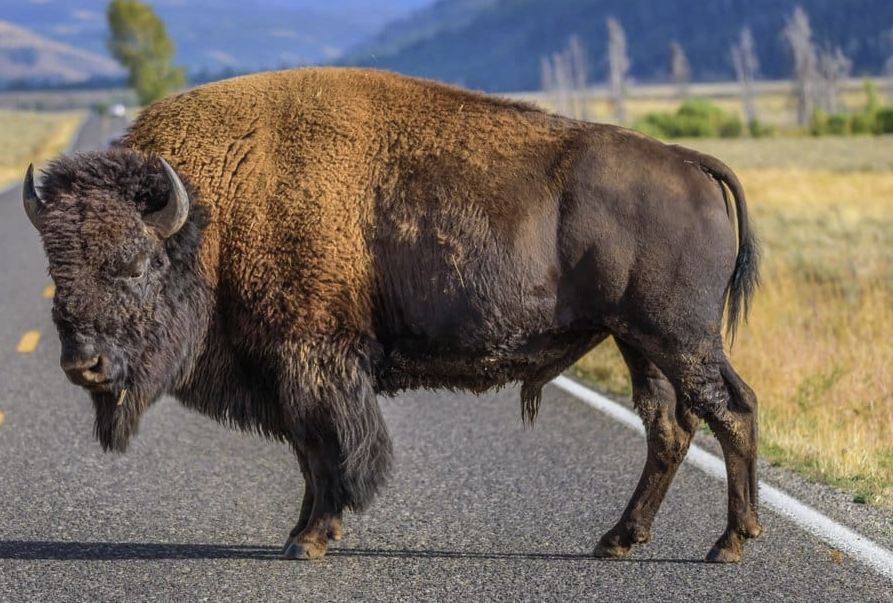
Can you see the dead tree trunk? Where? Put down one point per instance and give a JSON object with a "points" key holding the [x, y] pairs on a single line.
{"points": [[744, 57], [680, 70], [798, 35], [833, 67], [564, 78], [618, 65]]}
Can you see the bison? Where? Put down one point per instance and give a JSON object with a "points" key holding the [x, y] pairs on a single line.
{"points": [[277, 249]]}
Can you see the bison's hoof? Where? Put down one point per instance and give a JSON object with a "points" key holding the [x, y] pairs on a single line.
{"points": [[336, 532], [304, 550], [603, 551], [718, 555]]}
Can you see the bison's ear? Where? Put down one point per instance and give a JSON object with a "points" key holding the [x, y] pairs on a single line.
{"points": [[33, 204], [170, 218]]}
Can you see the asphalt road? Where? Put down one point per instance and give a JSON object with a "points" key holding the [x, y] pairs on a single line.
{"points": [[478, 508]]}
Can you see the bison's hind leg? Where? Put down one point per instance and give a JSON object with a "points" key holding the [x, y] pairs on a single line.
{"points": [[735, 426], [669, 429], [711, 389], [342, 445]]}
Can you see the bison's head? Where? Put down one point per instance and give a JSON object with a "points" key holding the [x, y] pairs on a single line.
{"points": [[121, 244]]}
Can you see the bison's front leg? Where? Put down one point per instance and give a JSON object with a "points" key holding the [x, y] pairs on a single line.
{"points": [[301, 548], [320, 518], [669, 431], [341, 440]]}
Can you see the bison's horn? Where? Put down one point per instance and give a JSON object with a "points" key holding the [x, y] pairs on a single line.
{"points": [[33, 204], [170, 218]]}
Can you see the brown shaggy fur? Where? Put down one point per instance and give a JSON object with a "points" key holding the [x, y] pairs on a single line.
{"points": [[356, 232]]}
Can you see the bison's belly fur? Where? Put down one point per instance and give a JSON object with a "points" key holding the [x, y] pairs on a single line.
{"points": [[532, 360]]}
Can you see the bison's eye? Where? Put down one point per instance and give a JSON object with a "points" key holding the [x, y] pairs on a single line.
{"points": [[135, 268]]}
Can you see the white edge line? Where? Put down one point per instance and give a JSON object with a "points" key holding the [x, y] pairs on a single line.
{"points": [[828, 530]]}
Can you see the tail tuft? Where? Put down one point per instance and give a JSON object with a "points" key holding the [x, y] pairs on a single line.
{"points": [[744, 283]]}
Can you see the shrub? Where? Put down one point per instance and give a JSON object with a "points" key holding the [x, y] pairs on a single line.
{"points": [[818, 123], [863, 122], [872, 100], [839, 124], [692, 126], [699, 108], [654, 124], [758, 129], [883, 120], [695, 118], [731, 126]]}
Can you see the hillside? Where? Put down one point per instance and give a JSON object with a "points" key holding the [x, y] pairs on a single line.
{"points": [[25, 56], [498, 45], [213, 35], [420, 25]]}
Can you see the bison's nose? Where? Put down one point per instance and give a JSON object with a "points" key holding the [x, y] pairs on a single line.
{"points": [[84, 367]]}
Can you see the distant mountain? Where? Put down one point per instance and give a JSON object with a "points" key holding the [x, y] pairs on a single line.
{"points": [[442, 16], [27, 57], [498, 45], [211, 35]]}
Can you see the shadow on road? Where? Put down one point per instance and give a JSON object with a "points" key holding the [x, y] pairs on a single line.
{"points": [[122, 551], [493, 556], [114, 551]]}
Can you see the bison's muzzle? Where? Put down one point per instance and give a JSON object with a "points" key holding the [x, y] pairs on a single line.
{"points": [[84, 367]]}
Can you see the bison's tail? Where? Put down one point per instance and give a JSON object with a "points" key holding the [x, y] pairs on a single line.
{"points": [[746, 275]]}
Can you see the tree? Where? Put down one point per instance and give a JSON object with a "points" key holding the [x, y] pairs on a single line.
{"points": [[744, 57], [139, 41], [577, 56], [556, 81], [618, 65], [680, 70], [888, 67], [564, 77], [833, 67], [798, 35]]}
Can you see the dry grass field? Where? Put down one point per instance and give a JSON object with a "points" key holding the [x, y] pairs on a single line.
{"points": [[27, 136]]}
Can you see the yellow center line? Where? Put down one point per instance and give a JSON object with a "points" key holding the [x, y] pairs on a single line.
{"points": [[28, 342], [1, 418], [49, 291]]}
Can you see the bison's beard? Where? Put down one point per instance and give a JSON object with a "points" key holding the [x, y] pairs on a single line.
{"points": [[115, 423]]}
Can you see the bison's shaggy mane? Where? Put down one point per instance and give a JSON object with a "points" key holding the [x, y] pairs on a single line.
{"points": [[126, 174]]}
